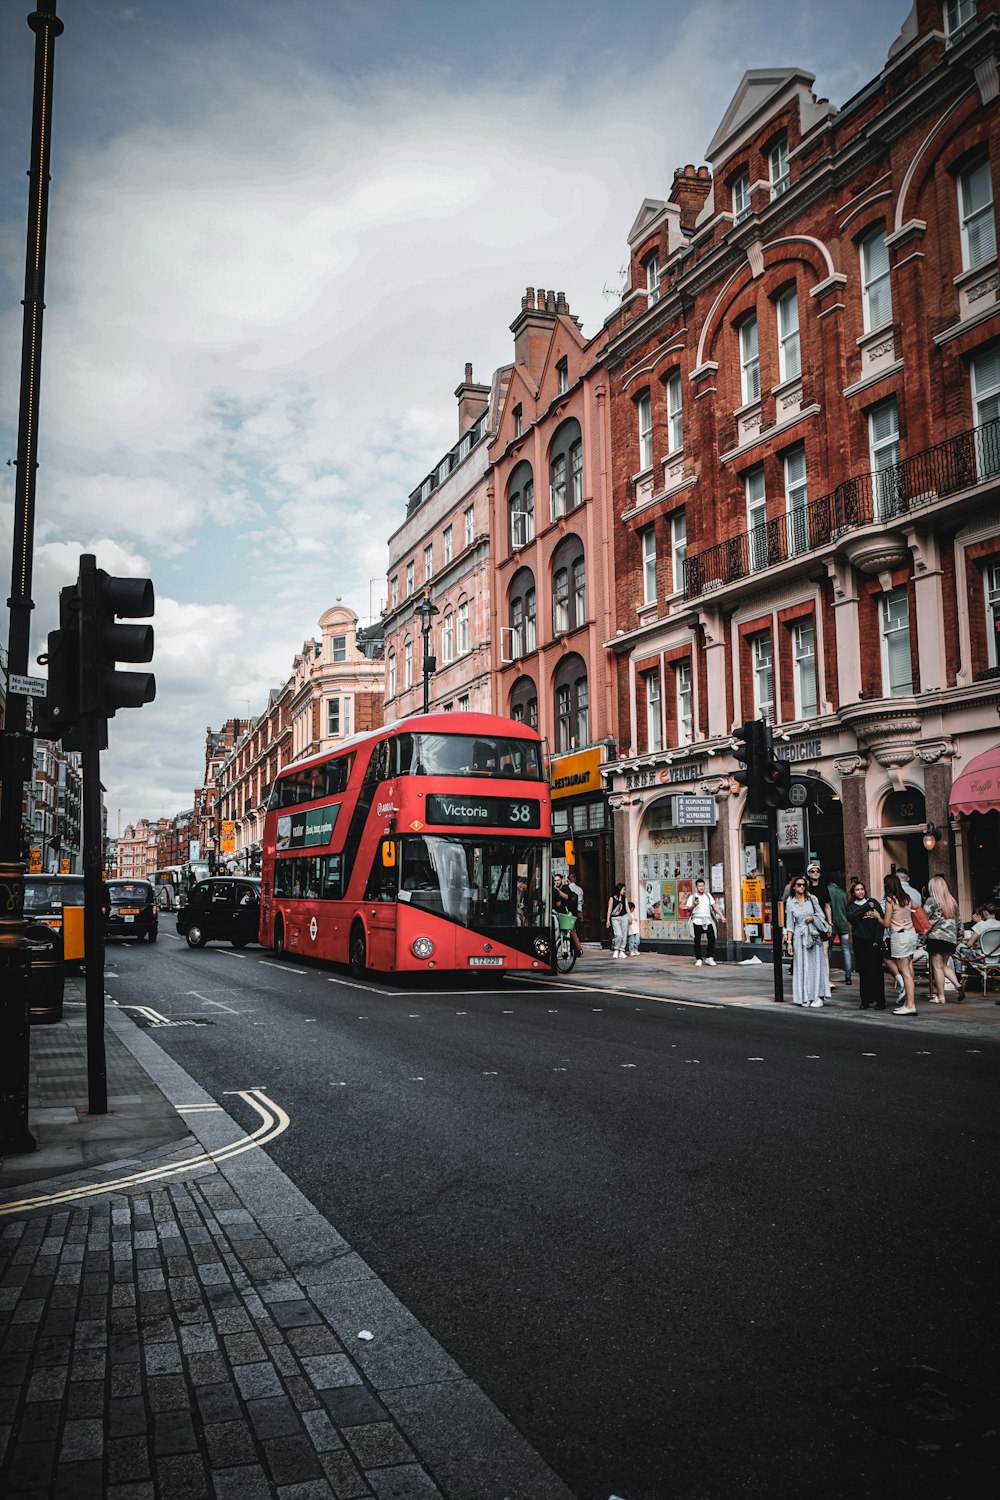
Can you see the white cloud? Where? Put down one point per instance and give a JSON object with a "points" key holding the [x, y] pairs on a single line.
{"points": [[259, 305]]}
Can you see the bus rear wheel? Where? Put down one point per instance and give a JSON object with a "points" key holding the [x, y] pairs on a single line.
{"points": [[279, 938], [358, 955]]}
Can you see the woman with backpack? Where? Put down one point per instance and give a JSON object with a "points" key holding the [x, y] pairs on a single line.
{"points": [[806, 929], [618, 921]]}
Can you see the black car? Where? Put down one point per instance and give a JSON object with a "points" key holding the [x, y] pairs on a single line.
{"points": [[131, 910], [226, 907]]}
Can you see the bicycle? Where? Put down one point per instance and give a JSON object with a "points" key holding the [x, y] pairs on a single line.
{"points": [[562, 946]]}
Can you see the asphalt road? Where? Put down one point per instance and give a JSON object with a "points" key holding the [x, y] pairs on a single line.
{"points": [[690, 1251]]}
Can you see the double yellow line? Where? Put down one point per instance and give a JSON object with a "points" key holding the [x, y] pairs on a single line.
{"points": [[274, 1121]]}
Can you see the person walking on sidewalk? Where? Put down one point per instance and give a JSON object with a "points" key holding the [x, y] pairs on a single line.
{"points": [[941, 940], [633, 931], [898, 918], [704, 913], [821, 891], [868, 942], [805, 942], [841, 927], [618, 921]]}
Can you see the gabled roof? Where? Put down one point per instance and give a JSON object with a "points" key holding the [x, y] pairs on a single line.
{"points": [[650, 210], [758, 87]]}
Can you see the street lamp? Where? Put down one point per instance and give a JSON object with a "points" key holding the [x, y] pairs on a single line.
{"points": [[426, 610]]}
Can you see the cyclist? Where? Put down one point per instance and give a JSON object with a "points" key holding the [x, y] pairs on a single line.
{"points": [[564, 904]]}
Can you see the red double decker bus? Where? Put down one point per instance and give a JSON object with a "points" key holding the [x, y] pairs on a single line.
{"points": [[423, 845]]}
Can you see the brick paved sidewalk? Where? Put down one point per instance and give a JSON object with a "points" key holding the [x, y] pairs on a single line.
{"points": [[199, 1335]]}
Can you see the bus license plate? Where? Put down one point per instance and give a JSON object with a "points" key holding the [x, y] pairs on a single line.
{"points": [[486, 963]]}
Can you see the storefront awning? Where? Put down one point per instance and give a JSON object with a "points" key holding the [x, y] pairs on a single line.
{"points": [[978, 787]]}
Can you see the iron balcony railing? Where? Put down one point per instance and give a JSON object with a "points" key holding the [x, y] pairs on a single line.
{"points": [[886, 494]]}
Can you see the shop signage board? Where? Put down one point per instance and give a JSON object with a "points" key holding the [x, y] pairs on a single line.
{"points": [[663, 776], [791, 828], [695, 812], [576, 774], [804, 750], [228, 843]]}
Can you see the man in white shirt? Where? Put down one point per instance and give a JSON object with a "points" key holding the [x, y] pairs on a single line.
{"points": [[704, 912], [904, 878]]}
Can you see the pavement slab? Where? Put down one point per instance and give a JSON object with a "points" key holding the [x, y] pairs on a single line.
{"points": [[180, 1326]]}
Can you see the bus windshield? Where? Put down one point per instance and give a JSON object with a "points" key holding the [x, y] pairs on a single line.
{"points": [[490, 755], [483, 883]]}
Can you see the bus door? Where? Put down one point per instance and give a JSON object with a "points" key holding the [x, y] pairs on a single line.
{"points": [[380, 905]]}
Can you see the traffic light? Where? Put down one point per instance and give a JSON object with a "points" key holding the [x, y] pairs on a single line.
{"points": [[103, 642], [58, 714], [777, 780], [752, 746]]}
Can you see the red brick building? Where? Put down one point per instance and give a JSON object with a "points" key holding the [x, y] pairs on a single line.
{"points": [[805, 419], [553, 582]]}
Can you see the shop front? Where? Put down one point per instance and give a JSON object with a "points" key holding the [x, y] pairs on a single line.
{"points": [[974, 808], [580, 832], [672, 854]]}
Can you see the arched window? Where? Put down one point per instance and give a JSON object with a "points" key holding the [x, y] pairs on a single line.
{"points": [[521, 505], [463, 626], [524, 702], [565, 469], [521, 615], [391, 674], [569, 586], [448, 637], [571, 703], [407, 663]]}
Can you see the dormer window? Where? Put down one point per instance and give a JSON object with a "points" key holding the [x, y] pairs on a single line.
{"points": [[562, 376], [957, 15], [777, 161], [741, 195], [339, 648], [652, 280]]}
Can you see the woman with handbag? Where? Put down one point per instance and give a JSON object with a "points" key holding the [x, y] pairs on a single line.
{"points": [[806, 928], [940, 911], [898, 918]]}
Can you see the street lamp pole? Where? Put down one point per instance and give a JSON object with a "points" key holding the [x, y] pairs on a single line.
{"points": [[426, 610]]}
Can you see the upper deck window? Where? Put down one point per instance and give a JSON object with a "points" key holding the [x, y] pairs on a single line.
{"points": [[494, 756]]}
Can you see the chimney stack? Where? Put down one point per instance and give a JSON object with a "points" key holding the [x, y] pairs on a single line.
{"points": [[473, 400], [533, 327], [692, 186]]}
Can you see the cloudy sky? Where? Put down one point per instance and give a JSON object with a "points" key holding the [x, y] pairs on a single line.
{"points": [[278, 229]]}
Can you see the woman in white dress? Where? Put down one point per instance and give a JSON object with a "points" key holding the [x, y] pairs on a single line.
{"points": [[810, 978]]}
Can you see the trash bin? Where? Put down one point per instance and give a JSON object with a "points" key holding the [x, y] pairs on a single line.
{"points": [[46, 974]]}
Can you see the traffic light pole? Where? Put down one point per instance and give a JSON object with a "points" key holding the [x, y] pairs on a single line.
{"points": [[93, 916], [776, 933]]}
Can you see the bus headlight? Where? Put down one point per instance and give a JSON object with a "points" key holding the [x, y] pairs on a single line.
{"points": [[422, 947], [541, 946]]}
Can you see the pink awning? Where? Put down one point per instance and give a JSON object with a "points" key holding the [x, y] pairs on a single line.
{"points": [[978, 787]]}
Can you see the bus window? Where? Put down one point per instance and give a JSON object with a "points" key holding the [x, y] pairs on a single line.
{"points": [[470, 755]]}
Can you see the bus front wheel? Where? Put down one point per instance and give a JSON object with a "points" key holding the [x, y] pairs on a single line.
{"points": [[358, 951], [279, 938]]}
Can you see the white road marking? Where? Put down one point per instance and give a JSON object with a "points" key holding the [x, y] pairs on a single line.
{"points": [[197, 1109], [869, 1054], [812, 1057], [205, 999], [274, 1121], [228, 953], [491, 1075], [755, 1059], [629, 1065], [355, 984]]}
